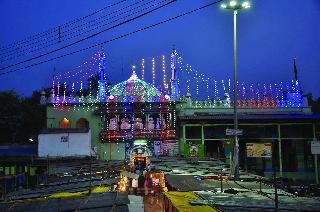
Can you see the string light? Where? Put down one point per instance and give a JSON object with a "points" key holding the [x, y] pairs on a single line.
{"points": [[207, 86], [243, 102], [142, 69], [153, 71], [165, 85], [271, 95], [124, 96]]}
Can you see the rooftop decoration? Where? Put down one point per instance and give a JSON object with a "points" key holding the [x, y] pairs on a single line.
{"points": [[134, 90], [86, 85]]}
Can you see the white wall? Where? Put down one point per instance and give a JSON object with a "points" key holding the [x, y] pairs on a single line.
{"points": [[79, 144]]}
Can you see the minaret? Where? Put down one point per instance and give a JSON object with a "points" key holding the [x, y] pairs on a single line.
{"points": [[102, 78], [174, 81]]}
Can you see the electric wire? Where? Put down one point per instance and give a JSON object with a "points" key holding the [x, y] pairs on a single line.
{"points": [[104, 16], [50, 44], [112, 18], [62, 26], [116, 19], [91, 14], [56, 38], [35, 43], [91, 36], [111, 40], [33, 37]]}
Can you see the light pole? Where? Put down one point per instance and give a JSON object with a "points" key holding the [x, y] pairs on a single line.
{"points": [[235, 6]]}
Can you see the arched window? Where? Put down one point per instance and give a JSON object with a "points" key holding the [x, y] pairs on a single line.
{"points": [[65, 123], [82, 123]]}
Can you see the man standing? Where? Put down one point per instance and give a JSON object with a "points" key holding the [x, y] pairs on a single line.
{"points": [[134, 185]]}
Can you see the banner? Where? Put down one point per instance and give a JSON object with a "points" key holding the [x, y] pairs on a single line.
{"points": [[194, 150], [259, 150]]}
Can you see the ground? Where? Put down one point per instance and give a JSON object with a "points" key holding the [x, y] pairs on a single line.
{"points": [[193, 184]]}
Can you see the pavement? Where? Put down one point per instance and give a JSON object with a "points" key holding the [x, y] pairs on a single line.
{"points": [[136, 203], [251, 193], [204, 178], [106, 201], [153, 204]]}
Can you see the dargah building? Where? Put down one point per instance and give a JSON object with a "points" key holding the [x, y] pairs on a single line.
{"points": [[176, 119]]}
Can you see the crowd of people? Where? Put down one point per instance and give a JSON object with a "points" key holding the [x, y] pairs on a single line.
{"points": [[141, 178], [144, 181]]}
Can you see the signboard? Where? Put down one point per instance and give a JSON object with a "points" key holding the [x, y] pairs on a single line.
{"points": [[315, 147], [194, 150], [260, 150], [64, 138], [234, 132]]}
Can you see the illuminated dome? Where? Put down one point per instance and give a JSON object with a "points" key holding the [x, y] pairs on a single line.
{"points": [[134, 90]]}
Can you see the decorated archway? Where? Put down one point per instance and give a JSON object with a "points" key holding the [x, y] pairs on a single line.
{"points": [[140, 157], [140, 150]]}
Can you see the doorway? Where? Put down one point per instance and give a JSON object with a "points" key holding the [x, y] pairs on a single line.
{"points": [[214, 149]]}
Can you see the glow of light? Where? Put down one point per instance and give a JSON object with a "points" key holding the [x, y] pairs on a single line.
{"points": [[153, 71], [233, 3], [207, 86], [64, 91], [165, 85], [246, 5], [142, 69]]}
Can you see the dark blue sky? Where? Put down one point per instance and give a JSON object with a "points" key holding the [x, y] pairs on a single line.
{"points": [[270, 35]]}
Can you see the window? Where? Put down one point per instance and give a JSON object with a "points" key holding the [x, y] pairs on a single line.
{"points": [[289, 155], [215, 132], [261, 131], [65, 123], [296, 131], [308, 157], [82, 123], [193, 132]]}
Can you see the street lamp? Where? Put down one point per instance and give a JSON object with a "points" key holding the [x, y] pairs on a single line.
{"points": [[235, 6]]}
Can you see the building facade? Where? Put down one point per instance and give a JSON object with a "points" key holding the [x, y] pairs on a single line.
{"points": [[134, 112]]}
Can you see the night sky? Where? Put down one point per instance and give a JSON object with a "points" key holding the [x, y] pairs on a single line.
{"points": [[270, 35]]}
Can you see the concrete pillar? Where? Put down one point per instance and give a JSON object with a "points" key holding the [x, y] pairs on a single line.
{"points": [[315, 156], [202, 135], [202, 142], [183, 142], [280, 155]]}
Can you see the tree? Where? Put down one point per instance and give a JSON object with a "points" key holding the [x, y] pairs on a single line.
{"points": [[315, 104], [10, 116], [21, 118]]}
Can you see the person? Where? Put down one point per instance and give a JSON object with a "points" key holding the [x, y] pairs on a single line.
{"points": [[144, 172], [146, 186], [137, 171], [134, 185], [141, 181]]}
